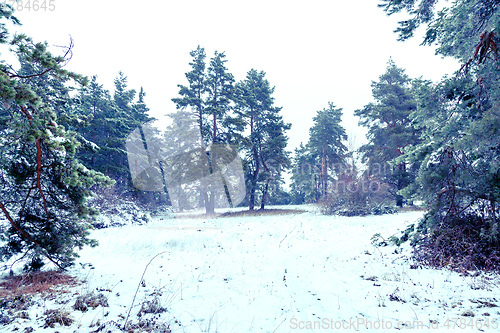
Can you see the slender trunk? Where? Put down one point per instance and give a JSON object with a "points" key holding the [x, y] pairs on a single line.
{"points": [[399, 200], [324, 175], [251, 204], [211, 203], [264, 195], [205, 195], [215, 101], [228, 194], [400, 184], [493, 208], [212, 165], [214, 137], [209, 195], [494, 218], [269, 175], [165, 188], [253, 182], [200, 117], [149, 194]]}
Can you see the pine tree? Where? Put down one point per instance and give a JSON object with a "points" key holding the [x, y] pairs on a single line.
{"points": [[459, 148], [192, 103], [219, 98], [111, 118], [305, 183], [455, 28], [220, 85], [390, 129], [265, 145], [326, 144], [209, 97], [94, 104], [193, 96], [43, 188]]}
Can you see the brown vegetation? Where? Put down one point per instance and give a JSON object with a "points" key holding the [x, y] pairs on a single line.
{"points": [[263, 212], [34, 282]]}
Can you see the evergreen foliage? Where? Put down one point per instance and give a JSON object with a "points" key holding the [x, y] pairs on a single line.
{"points": [[225, 112], [318, 164], [43, 188], [326, 138], [459, 146], [390, 130], [304, 177], [109, 119], [264, 147]]}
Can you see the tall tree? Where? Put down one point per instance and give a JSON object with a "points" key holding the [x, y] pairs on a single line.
{"points": [[209, 97], [111, 119], [326, 144], [455, 29], [219, 105], [265, 146], [192, 100], [305, 183], [390, 129], [459, 150], [220, 86], [193, 96], [43, 188], [94, 104]]}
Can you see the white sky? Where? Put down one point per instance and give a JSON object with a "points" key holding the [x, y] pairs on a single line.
{"points": [[313, 51]]}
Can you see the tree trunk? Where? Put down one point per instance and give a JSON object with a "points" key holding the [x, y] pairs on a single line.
{"points": [[399, 200], [400, 184], [214, 137], [165, 188], [211, 203], [251, 202], [253, 186], [324, 173], [206, 201], [264, 195], [494, 218]]}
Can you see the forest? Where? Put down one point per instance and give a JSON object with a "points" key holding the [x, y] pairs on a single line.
{"points": [[430, 145]]}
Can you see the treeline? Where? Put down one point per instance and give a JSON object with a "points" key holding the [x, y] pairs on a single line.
{"points": [[239, 114], [437, 143], [453, 135], [367, 180], [225, 144], [63, 137]]}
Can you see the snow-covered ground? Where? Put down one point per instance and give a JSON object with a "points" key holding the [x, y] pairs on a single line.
{"points": [[301, 272]]}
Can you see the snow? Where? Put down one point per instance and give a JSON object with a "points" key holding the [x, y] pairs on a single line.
{"points": [[60, 139], [301, 272]]}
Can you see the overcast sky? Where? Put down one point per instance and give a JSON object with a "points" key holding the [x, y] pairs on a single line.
{"points": [[313, 51]]}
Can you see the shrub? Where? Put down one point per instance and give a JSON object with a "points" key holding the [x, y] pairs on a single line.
{"points": [[353, 195]]}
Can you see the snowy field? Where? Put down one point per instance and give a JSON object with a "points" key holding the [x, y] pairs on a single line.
{"points": [[300, 272]]}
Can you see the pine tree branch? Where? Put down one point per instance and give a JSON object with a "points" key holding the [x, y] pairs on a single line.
{"points": [[39, 177], [12, 75], [11, 221], [26, 235]]}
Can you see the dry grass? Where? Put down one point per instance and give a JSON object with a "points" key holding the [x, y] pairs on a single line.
{"points": [[57, 316], [265, 212], [412, 209], [256, 212], [34, 283]]}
